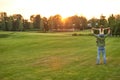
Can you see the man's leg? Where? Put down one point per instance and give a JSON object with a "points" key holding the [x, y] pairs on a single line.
{"points": [[98, 56], [104, 55]]}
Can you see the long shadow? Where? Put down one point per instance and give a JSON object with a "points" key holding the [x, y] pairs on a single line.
{"points": [[5, 35]]}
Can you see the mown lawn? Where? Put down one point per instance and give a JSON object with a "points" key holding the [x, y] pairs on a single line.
{"points": [[56, 56]]}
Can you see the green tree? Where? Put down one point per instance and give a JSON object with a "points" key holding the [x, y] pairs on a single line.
{"points": [[57, 20], [31, 22], [83, 22], [76, 22], [42, 25], [94, 22], [10, 23], [45, 23], [112, 23], [54, 22], [117, 27], [3, 16], [51, 23], [3, 27], [20, 25], [17, 22], [69, 23], [103, 21], [25, 24], [36, 21]]}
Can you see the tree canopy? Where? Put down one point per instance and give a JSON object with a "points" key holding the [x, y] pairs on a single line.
{"points": [[16, 22]]}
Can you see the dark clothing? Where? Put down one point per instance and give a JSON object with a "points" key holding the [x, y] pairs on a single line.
{"points": [[100, 39], [101, 47]]}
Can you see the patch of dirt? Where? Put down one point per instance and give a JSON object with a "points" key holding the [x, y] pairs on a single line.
{"points": [[52, 62]]}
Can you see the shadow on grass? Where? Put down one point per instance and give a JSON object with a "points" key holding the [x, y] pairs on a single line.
{"points": [[5, 35], [75, 34]]}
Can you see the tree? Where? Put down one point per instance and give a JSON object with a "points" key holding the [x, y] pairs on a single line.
{"points": [[50, 23], [94, 22], [83, 22], [45, 23], [76, 22], [55, 22], [3, 25], [112, 23], [32, 18], [32, 21], [26, 24], [3, 16], [10, 23], [20, 25], [36, 21], [103, 21], [42, 25], [17, 22], [117, 27], [69, 24]]}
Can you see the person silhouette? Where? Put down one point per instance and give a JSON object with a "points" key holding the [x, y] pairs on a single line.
{"points": [[101, 43]]}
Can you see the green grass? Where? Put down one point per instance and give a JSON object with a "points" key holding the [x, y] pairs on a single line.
{"points": [[56, 56]]}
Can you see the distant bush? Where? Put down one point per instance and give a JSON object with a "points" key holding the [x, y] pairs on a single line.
{"points": [[75, 34]]}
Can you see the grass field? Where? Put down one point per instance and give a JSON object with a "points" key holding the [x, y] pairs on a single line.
{"points": [[56, 56]]}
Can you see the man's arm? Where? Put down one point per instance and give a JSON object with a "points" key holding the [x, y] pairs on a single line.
{"points": [[107, 28], [92, 31], [95, 28], [108, 32]]}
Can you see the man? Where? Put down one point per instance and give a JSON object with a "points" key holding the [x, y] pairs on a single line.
{"points": [[101, 43]]}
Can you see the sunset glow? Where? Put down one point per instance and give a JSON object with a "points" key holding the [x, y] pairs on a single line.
{"points": [[87, 8]]}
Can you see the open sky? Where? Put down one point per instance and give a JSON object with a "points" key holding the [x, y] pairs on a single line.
{"points": [[87, 8]]}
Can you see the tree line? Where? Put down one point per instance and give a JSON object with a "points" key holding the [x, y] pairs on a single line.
{"points": [[16, 22]]}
